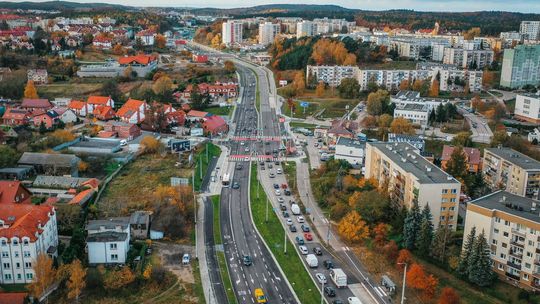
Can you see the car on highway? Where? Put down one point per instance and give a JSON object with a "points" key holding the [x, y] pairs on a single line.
{"points": [[299, 240], [287, 192], [276, 186], [307, 236], [270, 166], [321, 278], [317, 250], [236, 185], [328, 264], [285, 214], [280, 200], [247, 260], [292, 228], [303, 250], [242, 143], [338, 301], [300, 219], [289, 222], [279, 171], [239, 166], [282, 207], [278, 192], [305, 228], [330, 291], [272, 175], [259, 296], [246, 149], [284, 186]]}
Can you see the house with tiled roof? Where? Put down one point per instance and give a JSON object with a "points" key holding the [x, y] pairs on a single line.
{"points": [[226, 90], [49, 119], [13, 297], [473, 158], [36, 104], [16, 117], [14, 192], [147, 36], [95, 101], [141, 59], [26, 231], [79, 107], [176, 118], [104, 113], [195, 115], [120, 129], [38, 76], [215, 125], [66, 115], [102, 43], [132, 111]]}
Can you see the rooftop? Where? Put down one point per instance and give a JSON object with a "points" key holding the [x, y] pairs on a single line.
{"points": [[407, 95], [63, 182], [110, 223], [413, 107], [107, 236], [47, 159], [507, 202], [393, 137], [408, 158], [517, 158], [349, 142], [139, 217]]}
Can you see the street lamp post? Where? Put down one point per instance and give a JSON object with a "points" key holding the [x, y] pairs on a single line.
{"points": [[404, 282], [285, 241], [267, 209], [322, 294]]}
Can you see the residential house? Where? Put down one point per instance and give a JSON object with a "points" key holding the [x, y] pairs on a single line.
{"points": [[120, 129], [132, 111], [515, 172], [511, 225], [147, 36], [337, 130], [38, 76], [16, 117], [61, 102], [103, 43], [95, 101], [225, 90], [195, 116], [139, 223], [108, 240], [535, 134], [199, 58], [36, 104], [215, 125], [176, 118], [104, 113], [51, 164], [49, 119], [27, 231], [350, 150], [65, 115], [79, 107], [472, 158], [528, 107], [14, 192]]}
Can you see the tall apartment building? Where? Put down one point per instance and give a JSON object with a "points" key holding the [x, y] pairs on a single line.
{"points": [[231, 32], [521, 66], [528, 107], [467, 58], [331, 74], [508, 169], [511, 224], [26, 231], [411, 177], [530, 29], [305, 28], [268, 32]]}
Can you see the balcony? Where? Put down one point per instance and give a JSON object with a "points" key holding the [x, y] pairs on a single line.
{"points": [[515, 243], [513, 265], [516, 254], [519, 232], [512, 276]]}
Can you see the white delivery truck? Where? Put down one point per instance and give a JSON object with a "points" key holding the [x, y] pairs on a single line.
{"points": [[295, 209], [312, 261], [354, 300], [339, 277]]}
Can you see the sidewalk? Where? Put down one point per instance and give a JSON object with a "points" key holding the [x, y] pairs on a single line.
{"points": [[200, 253]]}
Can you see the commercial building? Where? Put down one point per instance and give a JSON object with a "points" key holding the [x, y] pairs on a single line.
{"points": [[140, 65], [411, 177], [508, 169], [26, 231], [521, 66], [416, 113], [268, 32], [351, 151], [231, 32], [403, 98], [530, 30], [511, 224], [305, 28], [528, 107], [51, 164]]}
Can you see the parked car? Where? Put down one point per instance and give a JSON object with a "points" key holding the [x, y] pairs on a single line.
{"points": [[328, 264], [186, 259], [279, 171], [300, 219], [276, 186], [278, 192], [272, 175], [236, 185], [280, 200], [285, 214], [303, 250], [287, 192], [321, 278], [289, 222], [317, 250], [282, 207]]}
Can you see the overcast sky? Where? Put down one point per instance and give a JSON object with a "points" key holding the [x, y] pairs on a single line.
{"points": [[525, 6]]}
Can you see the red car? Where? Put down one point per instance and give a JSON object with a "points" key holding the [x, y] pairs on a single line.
{"points": [[284, 186], [308, 237]]}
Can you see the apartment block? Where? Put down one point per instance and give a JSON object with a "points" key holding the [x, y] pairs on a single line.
{"points": [[530, 29], [231, 32], [515, 172], [411, 177], [468, 58], [511, 224], [331, 74], [528, 107], [521, 66], [305, 28], [268, 32]]}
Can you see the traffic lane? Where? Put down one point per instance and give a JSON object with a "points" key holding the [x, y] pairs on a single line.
{"points": [[211, 259]]}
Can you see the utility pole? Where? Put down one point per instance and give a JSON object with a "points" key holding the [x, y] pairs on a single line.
{"points": [[404, 282], [322, 295], [267, 202], [200, 168], [285, 241]]}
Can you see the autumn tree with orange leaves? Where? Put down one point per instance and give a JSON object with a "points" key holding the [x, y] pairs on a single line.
{"points": [[449, 296], [380, 234], [434, 90], [160, 41], [404, 257], [328, 52], [353, 228], [44, 275], [76, 281], [418, 279], [30, 90]]}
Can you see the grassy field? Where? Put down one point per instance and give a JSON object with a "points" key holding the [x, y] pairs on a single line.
{"points": [[333, 107], [200, 158], [221, 111], [227, 284], [273, 234], [73, 90], [304, 125]]}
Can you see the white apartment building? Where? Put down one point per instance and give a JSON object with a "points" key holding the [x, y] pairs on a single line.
{"points": [[351, 151], [331, 74], [108, 240], [26, 231], [412, 177], [528, 107], [416, 113], [390, 79], [510, 36], [511, 225], [268, 32], [305, 28], [465, 58], [231, 32], [530, 29], [325, 25]]}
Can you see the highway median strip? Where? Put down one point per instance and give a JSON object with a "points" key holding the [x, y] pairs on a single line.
{"points": [[273, 234]]}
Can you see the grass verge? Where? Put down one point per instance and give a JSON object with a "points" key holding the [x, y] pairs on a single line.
{"points": [[201, 159], [227, 284], [309, 126], [273, 234], [221, 111]]}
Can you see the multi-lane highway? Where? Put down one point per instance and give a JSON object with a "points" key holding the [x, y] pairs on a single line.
{"points": [[238, 231]]}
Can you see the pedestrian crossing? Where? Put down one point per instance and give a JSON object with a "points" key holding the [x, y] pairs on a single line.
{"points": [[261, 138], [247, 157]]}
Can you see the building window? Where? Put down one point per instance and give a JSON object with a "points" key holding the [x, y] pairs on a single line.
{"points": [[503, 256], [27, 265], [531, 243], [495, 231], [500, 266], [29, 276], [19, 276], [505, 234], [506, 223], [504, 245], [114, 257], [527, 265], [25, 242], [454, 191], [525, 277], [16, 254], [5, 254], [26, 254], [113, 246], [7, 276], [497, 220], [4, 243], [444, 191], [453, 200], [7, 266], [15, 242], [529, 254], [494, 242], [17, 265]]}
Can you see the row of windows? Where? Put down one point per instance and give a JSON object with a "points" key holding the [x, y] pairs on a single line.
{"points": [[451, 208], [5, 254], [8, 277], [15, 242], [27, 265], [446, 191]]}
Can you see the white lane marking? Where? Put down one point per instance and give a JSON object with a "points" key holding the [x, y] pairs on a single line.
{"points": [[237, 281]]}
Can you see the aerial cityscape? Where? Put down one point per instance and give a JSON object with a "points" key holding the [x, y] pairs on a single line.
{"points": [[244, 153]]}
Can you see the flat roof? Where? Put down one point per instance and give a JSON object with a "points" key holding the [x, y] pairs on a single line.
{"points": [[517, 158], [110, 223], [413, 107], [107, 236], [349, 142], [510, 203], [407, 157], [98, 143]]}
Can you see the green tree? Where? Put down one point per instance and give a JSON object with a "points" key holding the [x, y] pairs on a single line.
{"points": [[500, 137], [377, 101], [8, 156], [457, 164], [463, 265], [110, 88], [479, 267], [463, 139], [411, 228], [349, 88], [425, 237], [441, 241], [371, 204]]}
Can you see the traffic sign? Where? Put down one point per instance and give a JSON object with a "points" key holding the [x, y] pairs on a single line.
{"points": [[304, 104]]}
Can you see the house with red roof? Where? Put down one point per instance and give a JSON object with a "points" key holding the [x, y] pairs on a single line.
{"points": [[13, 297], [36, 104], [472, 157], [141, 60], [79, 107], [16, 117], [103, 43], [215, 125], [176, 118], [132, 111], [27, 231], [226, 90], [49, 119], [147, 36], [195, 115], [14, 192], [104, 113], [120, 129], [95, 101]]}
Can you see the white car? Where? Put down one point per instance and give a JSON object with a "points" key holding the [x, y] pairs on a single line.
{"points": [[321, 278], [300, 219], [303, 250], [185, 259], [246, 149], [280, 200], [242, 143], [289, 222], [279, 171], [278, 192], [272, 175]]}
